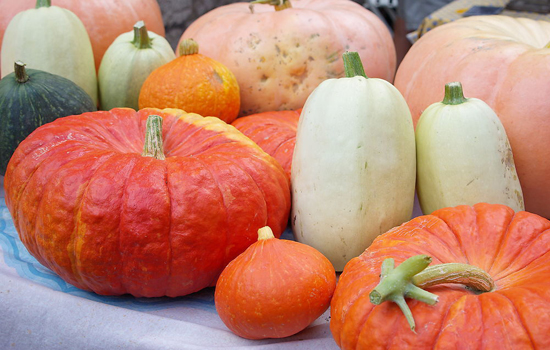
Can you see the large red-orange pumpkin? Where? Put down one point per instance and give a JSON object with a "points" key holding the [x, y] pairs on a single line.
{"points": [[274, 132], [512, 248], [106, 216], [505, 62], [279, 55], [104, 20]]}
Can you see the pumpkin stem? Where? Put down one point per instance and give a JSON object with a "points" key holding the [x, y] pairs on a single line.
{"points": [[188, 47], [547, 46], [153, 138], [265, 233], [408, 279], [141, 36], [43, 3], [278, 4], [352, 65], [454, 94], [21, 75]]}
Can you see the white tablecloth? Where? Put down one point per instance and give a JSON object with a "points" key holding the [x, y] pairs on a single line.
{"points": [[38, 310]]}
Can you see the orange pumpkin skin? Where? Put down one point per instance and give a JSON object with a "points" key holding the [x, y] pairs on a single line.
{"points": [[195, 83], [275, 289], [279, 57], [104, 20], [274, 132], [514, 248], [90, 207], [501, 60]]}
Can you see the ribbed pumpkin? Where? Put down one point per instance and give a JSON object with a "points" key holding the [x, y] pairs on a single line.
{"points": [[274, 132], [52, 39], [503, 61], [31, 98], [503, 257], [280, 53], [195, 83], [104, 19], [150, 203], [127, 63]]}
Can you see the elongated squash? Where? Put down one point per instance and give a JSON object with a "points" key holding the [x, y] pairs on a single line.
{"points": [[353, 168], [463, 155], [54, 40]]}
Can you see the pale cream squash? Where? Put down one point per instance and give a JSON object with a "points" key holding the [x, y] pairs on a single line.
{"points": [[353, 168], [463, 155], [51, 39], [127, 63]]}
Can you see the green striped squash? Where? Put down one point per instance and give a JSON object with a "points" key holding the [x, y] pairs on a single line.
{"points": [[30, 98]]}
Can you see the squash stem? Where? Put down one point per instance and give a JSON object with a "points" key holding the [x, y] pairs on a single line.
{"points": [[188, 47], [43, 3], [279, 5], [141, 36], [413, 274], [265, 233], [21, 75], [352, 65], [153, 138], [454, 94], [547, 46]]}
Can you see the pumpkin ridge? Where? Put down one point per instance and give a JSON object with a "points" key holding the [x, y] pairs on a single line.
{"points": [[518, 315], [444, 322], [73, 241], [170, 251]]}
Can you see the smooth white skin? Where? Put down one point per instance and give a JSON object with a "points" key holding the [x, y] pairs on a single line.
{"points": [[353, 168], [54, 40], [464, 157]]}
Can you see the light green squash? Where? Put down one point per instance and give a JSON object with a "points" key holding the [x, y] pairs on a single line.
{"points": [[127, 63], [353, 167], [54, 40], [463, 155]]}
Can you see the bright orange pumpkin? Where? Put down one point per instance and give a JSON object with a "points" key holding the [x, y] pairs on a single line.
{"points": [[274, 289], [104, 20], [503, 61], [195, 83], [511, 249], [280, 54], [274, 132], [114, 211]]}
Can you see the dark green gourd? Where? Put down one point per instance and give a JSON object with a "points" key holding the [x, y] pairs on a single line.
{"points": [[30, 98]]}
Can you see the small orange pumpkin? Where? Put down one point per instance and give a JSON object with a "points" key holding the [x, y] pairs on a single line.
{"points": [[195, 83], [274, 132], [275, 288]]}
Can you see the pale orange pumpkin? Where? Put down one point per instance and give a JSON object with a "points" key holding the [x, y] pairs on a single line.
{"points": [[104, 19], [505, 62], [280, 55]]}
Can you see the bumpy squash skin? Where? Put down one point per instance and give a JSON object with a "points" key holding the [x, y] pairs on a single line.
{"points": [[464, 157], [512, 247], [33, 36], [90, 207], [353, 168], [279, 57], [40, 100]]}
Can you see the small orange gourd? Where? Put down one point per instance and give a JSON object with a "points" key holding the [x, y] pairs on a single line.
{"points": [[274, 289], [195, 83]]}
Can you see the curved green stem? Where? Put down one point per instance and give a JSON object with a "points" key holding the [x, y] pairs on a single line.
{"points": [[278, 4], [20, 72], [352, 65], [43, 3], [141, 36], [152, 146], [413, 274], [454, 94]]}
